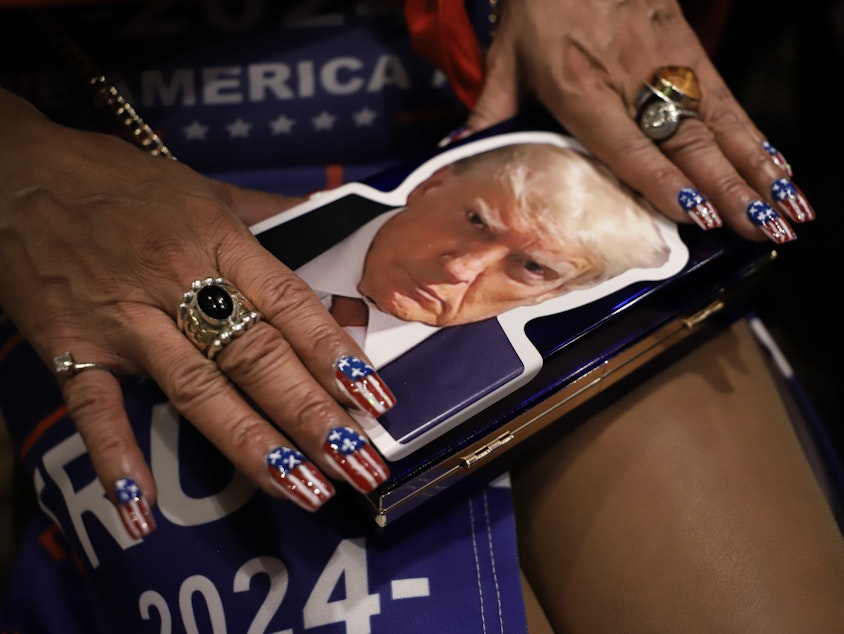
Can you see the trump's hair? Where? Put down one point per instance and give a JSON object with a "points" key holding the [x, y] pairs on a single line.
{"points": [[578, 201]]}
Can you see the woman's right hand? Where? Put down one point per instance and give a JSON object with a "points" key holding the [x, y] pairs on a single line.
{"points": [[98, 244]]}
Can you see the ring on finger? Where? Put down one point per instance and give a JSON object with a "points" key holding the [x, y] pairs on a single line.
{"points": [[66, 366], [213, 313], [670, 95]]}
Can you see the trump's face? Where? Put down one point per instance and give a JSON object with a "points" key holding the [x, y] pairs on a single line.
{"points": [[462, 251]]}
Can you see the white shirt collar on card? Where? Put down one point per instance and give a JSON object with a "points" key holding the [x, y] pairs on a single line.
{"points": [[338, 270]]}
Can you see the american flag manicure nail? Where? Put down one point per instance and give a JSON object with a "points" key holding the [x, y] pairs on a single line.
{"points": [[792, 201], [298, 478], [774, 226], [777, 158], [700, 209], [454, 136], [358, 460], [363, 385], [133, 509]]}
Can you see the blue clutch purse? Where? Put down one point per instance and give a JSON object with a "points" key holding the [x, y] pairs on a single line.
{"points": [[475, 392]]}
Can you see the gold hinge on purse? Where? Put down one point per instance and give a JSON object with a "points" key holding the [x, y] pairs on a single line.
{"points": [[703, 314], [483, 452]]}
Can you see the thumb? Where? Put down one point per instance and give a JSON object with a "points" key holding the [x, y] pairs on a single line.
{"points": [[499, 98]]}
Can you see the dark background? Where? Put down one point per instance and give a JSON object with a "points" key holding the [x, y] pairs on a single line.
{"points": [[783, 61]]}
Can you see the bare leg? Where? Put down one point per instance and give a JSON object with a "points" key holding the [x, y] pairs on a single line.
{"points": [[686, 506], [537, 621]]}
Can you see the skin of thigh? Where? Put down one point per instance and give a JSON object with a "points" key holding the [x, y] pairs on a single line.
{"points": [[685, 505], [537, 620]]}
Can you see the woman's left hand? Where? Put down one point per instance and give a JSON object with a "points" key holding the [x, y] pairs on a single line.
{"points": [[587, 61]]}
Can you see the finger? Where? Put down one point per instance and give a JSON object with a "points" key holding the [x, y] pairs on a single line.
{"points": [[293, 309], [722, 154], [584, 96], [499, 98], [637, 161], [204, 396], [322, 367], [275, 378], [742, 201], [95, 403], [308, 413], [662, 179], [759, 163], [726, 157]]}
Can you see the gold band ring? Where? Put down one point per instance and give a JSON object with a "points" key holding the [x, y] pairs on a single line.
{"points": [[671, 95]]}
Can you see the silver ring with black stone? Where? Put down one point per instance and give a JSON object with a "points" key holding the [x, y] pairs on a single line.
{"points": [[213, 313]]}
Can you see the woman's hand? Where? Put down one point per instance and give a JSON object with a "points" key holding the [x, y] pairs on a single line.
{"points": [[98, 244], [587, 60]]}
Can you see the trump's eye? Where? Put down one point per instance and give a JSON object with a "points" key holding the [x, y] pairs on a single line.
{"points": [[530, 271], [476, 220]]}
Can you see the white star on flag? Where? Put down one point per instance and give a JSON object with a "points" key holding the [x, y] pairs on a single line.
{"points": [[364, 117], [195, 131], [282, 125], [239, 129], [324, 121]]}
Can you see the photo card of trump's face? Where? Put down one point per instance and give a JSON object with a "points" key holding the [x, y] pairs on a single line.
{"points": [[438, 277]]}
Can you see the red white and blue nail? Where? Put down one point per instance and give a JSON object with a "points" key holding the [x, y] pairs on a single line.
{"points": [[699, 209], [298, 478], [791, 200], [454, 136], [133, 509], [363, 385], [356, 458], [775, 226], [777, 158]]}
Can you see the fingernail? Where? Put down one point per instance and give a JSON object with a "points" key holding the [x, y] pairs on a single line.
{"points": [[298, 478], [455, 135], [775, 227], [791, 200], [363, 385], [700, 209], [777, 157], [356, 458], [133, 508]]}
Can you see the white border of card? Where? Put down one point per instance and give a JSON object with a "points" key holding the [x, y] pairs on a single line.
{"points": [[512, 322]]}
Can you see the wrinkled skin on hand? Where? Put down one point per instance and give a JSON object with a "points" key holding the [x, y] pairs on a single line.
{"points": [[98, 243], [586, 60]]}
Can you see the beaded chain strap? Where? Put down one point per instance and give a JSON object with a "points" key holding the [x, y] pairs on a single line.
{"points": [[104, 91]]}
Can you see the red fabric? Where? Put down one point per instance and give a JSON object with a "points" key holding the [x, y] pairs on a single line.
{"points": [[440, 31]]}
